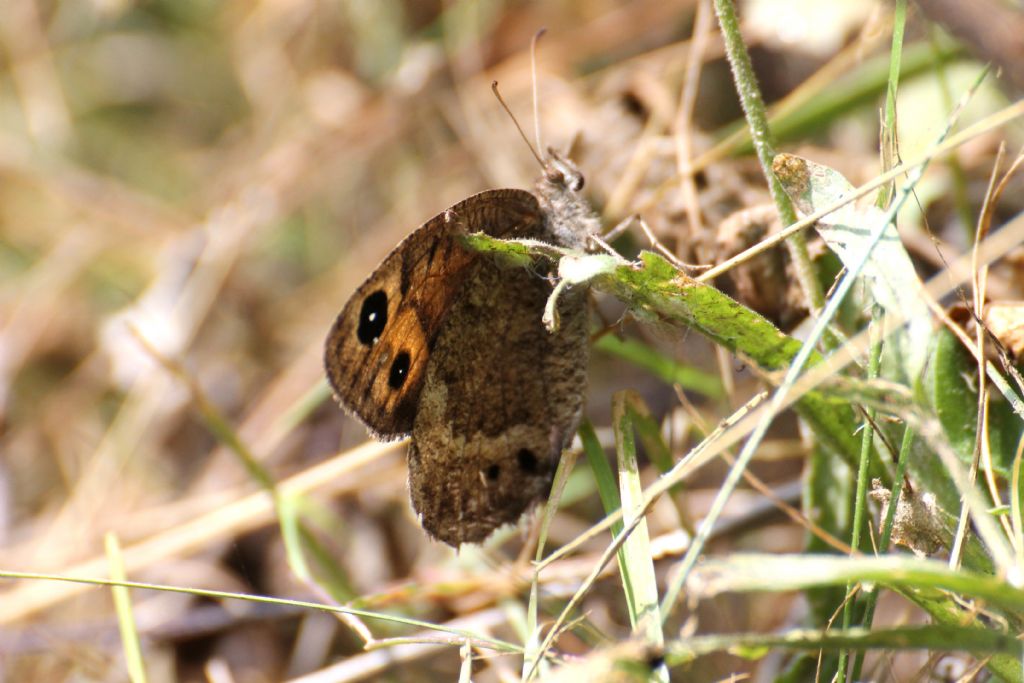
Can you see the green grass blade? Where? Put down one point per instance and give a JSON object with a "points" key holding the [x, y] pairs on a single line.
{"points": [[935, 637], [890, 153], [756, 573], [666, 369], [638, 578], [607, 488], [531, 648]]}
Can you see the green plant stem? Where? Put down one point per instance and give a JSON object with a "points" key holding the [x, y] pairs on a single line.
{"points": [[883, 542], [764, 147], [860, 500], [890, 151]]}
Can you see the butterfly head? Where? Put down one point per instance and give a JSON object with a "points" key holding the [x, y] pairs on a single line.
{"points": [[562, 173], [560, 189]]}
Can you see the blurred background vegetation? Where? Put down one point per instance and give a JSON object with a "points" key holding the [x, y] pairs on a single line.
{"points": [[215, 178]]}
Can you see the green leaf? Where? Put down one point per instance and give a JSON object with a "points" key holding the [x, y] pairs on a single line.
{"points": [[889, 272], [951, 388]]}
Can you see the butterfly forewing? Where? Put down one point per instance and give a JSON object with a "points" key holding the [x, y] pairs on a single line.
{"points": [[377, 351]]}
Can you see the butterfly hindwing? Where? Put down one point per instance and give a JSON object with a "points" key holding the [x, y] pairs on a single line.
{"points": [[474, 470]]}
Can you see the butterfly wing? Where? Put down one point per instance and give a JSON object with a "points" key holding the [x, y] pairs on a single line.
{"points": [[501, 399], [378, 349]]}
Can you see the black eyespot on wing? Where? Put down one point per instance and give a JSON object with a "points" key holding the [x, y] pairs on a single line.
{"points": [[492, 472], [399, 370], [373, 318], [527, 460]]}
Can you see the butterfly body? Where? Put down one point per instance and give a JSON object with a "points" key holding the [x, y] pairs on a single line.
{"points": [[449, 346]]}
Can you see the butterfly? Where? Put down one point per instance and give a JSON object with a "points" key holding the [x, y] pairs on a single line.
{"points": [[448, 345]]}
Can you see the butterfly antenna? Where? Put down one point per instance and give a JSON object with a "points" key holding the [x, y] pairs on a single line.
{"points": [[533, 76], [494, 87]]}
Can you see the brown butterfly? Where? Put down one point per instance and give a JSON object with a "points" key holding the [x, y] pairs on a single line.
{"points": [[445, 344]]}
